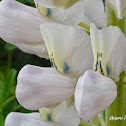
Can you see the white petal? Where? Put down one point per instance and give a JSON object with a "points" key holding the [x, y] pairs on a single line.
{"points": [[95, 12], [20, 25], [20, 119], [119, 6], [70, 16], [109, 47], [61, 114], [66, 116], [40, 87], [56, 3], [94, 92], [69, 48], [117, 61], [46, 3], [38, 48]]}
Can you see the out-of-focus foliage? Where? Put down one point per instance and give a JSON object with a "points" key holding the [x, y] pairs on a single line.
{"points": [[11, 61]]}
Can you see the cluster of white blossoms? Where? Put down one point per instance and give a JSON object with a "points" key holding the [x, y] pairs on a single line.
{"points": [[73, 88]]}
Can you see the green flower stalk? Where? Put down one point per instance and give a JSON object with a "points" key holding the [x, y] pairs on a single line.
{"points": [[116, 16], [113, 19]]}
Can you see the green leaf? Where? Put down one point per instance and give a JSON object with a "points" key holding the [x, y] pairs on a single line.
{"points": [[9, 83], [10, 47], [1, 76], [1, 94], [3, 51], [8, 105], [1, 120], [30, 1], [22, 1]]}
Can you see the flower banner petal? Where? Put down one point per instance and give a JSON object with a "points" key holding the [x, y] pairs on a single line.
{"points": [[46, 3], [109, 47], [66, 116], [95, 12], [20, 119], [39, 87], [20, 25], [37, 48], [61, 114], [119, 6], [117, 61], [69, 48], [70, 16], [94, 92], [56, 3]]}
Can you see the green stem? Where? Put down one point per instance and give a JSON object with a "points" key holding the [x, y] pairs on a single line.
{"points": [[113, 20], [86, 27], [117, 110], [16, 108], [115, 114], [82, 123], [101, 119]]}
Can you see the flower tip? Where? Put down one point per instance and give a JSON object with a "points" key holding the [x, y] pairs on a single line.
{"points": [[119, 16], [119, 6], [39, 87], [94, 92], [9, 118]]}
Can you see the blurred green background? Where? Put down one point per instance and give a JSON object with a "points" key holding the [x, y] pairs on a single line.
{"points": [[11, 61]]}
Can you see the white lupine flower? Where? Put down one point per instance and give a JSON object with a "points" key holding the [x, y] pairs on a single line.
{"points": [[69, 48], [94, 13], [59, 116], [119, 7], [109, 50], [36, 90], [20, 24], [86, 11], [32, 119], [66, 46], [41, 87], [70, 16], [70, 53], [94, 90], [56, 3]]}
